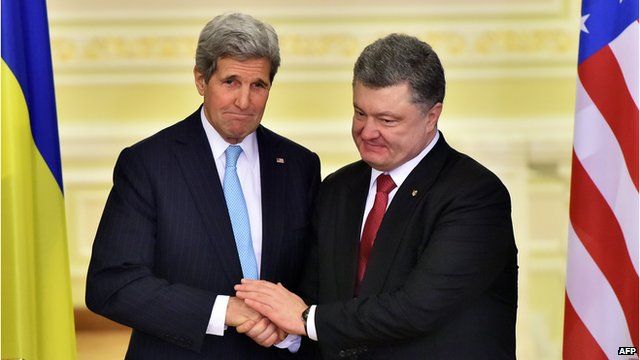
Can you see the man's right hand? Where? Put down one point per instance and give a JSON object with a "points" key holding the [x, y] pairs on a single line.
{"points": [[238, 313], [264, 332], [253, 324]]}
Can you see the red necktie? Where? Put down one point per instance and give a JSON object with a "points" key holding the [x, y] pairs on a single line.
{"points": [[384, 185]]}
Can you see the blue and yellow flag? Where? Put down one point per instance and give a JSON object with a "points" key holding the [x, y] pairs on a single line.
{"points": [[37, 313]]}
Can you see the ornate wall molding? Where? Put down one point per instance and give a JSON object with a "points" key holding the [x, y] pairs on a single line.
{"points": [[493, 39], [307, 10]]}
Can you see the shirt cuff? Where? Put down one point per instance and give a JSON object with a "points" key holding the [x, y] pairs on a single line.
{"points": [[291, 342], [311, 324], [218, 314]]}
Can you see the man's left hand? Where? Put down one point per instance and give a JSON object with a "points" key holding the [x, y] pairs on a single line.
{"points": [[274, 301]]}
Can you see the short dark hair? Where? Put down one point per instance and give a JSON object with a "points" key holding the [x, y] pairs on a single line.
{"points": [[400, 58]]}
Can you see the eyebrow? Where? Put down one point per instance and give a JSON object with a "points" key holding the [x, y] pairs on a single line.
{"points": [[262, 82], [235, 77], [230, 77], [380, 114], [387, 114]]}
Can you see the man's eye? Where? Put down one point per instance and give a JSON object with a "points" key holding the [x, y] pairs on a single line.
{"points": [[229, 81]]}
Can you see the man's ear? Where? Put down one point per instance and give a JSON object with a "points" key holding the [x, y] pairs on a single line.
{"points": [[433, 115], [199, 79]]}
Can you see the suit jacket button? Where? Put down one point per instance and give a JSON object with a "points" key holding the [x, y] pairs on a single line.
{"points": [[342, 353]]}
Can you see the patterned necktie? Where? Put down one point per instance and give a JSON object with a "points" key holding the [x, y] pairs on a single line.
{"points": [[384, 185], [237, 208]]}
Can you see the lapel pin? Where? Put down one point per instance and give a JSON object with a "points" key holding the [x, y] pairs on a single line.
{"points": [[280, 160], [414, 193]]}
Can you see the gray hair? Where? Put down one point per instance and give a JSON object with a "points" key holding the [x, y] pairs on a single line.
{"points": [[399, 58], [238, 36]]}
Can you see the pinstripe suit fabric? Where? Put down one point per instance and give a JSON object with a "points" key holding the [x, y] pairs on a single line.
{"points": [[165, 248]]}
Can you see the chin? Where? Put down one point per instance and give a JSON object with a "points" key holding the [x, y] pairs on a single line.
{"points": [[372, 157], [240, 132], [372, 162]]}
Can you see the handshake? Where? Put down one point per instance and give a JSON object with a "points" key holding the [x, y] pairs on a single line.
{"points": [[266, 312]]}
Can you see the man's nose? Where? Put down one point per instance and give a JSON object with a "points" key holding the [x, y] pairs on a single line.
{"points": [[243, 99], [369, 129]]}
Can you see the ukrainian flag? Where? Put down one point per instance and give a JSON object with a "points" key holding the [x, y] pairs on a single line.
{"points": [[37, 313]]}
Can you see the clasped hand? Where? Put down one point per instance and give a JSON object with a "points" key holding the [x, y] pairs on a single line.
{"points": [[275, 302], [250, 322]]}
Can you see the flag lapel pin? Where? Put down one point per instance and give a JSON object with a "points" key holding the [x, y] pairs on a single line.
{"points": [[280, 160]]}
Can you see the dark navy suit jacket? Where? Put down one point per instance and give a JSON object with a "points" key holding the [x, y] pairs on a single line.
{"points": [[441, 280], [165, 249]]}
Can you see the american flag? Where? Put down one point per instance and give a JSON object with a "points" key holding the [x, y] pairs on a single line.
{"points": [[601, 305]]}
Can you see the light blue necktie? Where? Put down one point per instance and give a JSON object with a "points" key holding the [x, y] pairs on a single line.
{"points": [[237, 208]]}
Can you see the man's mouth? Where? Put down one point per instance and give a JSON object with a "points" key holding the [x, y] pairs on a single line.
{"points": [[240, 116], [373, 145]]}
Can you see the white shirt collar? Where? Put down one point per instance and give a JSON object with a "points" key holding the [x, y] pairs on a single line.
{"points": [[400, 174], [218, 145]]}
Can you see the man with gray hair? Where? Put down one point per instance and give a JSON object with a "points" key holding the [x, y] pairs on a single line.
{"points": [[414, 256], [196, 207]]}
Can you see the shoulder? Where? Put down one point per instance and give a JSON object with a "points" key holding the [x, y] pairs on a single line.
{"points": [[342, 184], [348, 173], [166, 136], [184, 130], [463, 176], [157, 146], [282, 144], [346, 180], [473, 171], [295, 155]]}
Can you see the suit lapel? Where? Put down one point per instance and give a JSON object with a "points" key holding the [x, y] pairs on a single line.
{"points": [[273, 172], [194, 156], [347, 241], [399, 214]]}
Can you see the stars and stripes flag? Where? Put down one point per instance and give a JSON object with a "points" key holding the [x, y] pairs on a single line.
{"points": [[601, 305]]}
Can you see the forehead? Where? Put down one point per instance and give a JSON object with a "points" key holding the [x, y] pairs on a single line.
{"points": [[386, 99], [251, 68]]}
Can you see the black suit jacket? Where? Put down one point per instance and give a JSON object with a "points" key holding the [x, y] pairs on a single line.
{"points": [[165, 249], [441, 280]]}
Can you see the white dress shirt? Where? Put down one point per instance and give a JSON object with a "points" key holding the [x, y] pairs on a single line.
{"points": [[399, 175], [248, 168]]}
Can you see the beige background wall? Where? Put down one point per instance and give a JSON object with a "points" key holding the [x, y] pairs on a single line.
{"points": [[123, 71]]}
